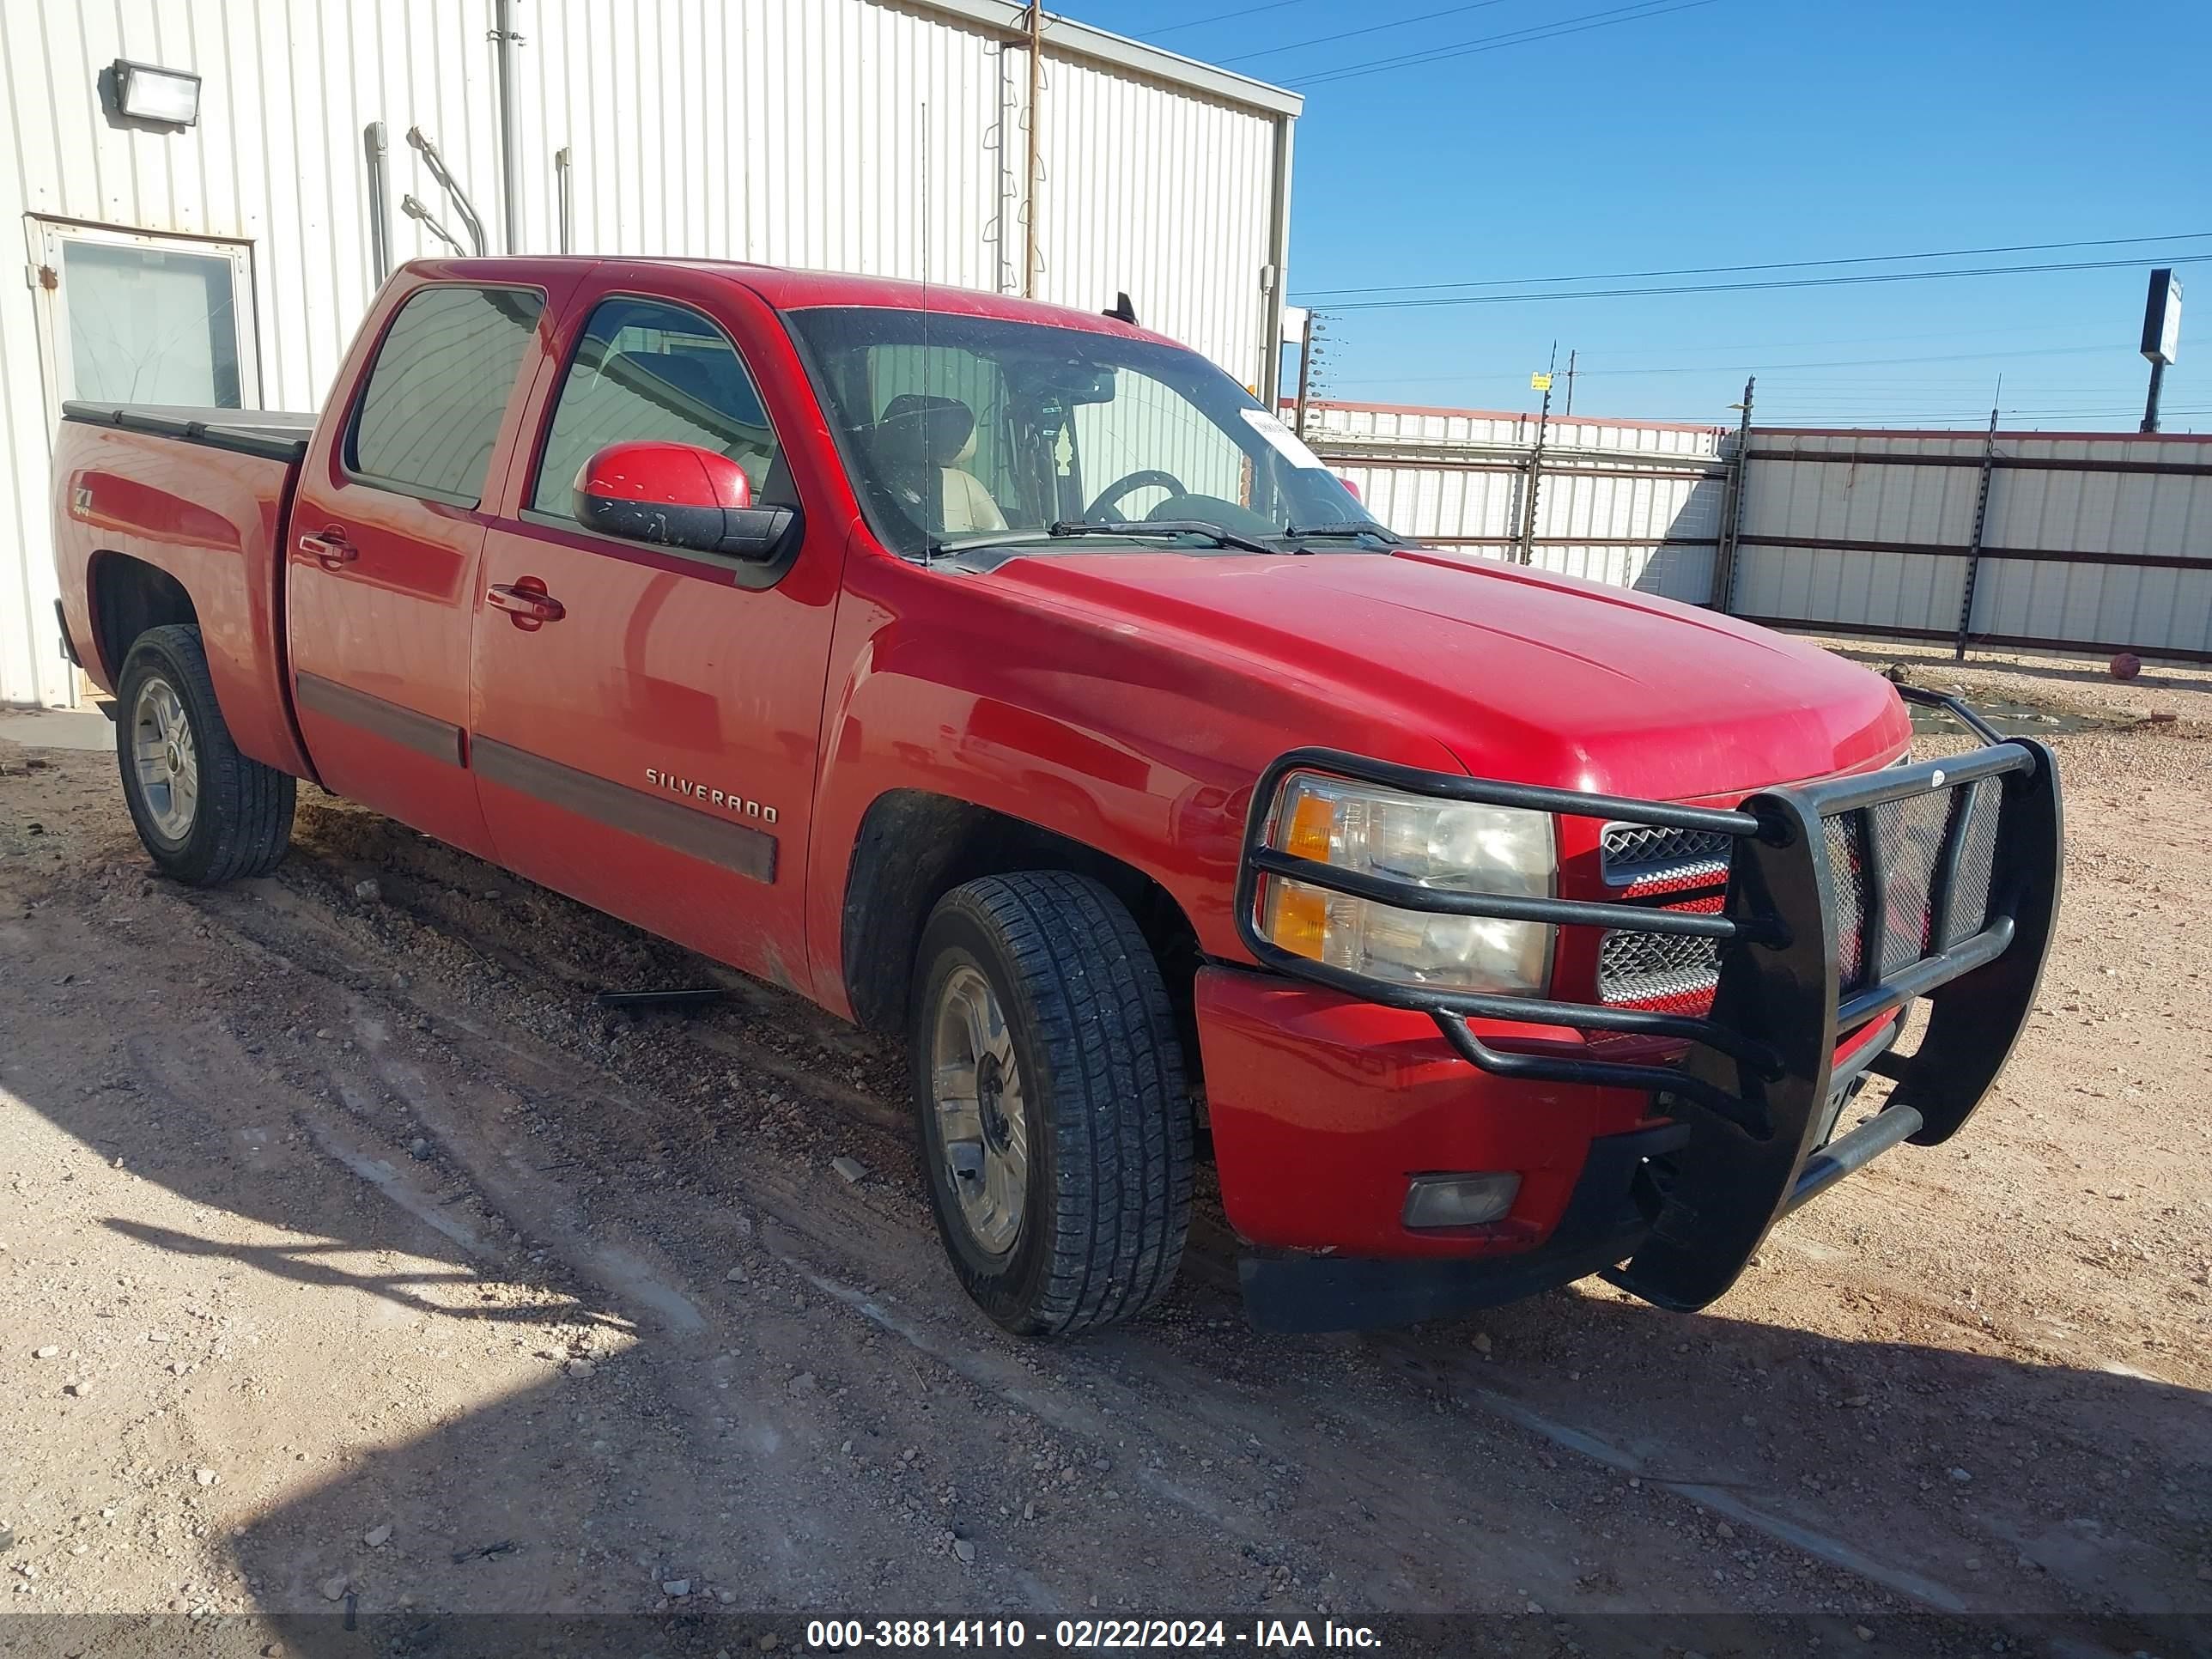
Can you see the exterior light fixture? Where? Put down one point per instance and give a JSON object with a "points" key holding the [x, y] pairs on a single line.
{"points": [[145, 91]]}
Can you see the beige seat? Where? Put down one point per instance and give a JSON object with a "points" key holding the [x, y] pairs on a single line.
{"points": [[921, 444]]}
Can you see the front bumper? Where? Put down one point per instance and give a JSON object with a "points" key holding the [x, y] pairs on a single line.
{"points": [[1847, 900], [1607, 1217]]}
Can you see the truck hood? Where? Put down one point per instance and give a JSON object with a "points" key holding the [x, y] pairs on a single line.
{"points": [[1519, 674]]}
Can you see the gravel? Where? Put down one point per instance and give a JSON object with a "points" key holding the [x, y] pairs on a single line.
{"points": [[406, 1340]]}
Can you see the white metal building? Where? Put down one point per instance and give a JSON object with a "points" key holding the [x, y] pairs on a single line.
{"points": [[228, 260]]}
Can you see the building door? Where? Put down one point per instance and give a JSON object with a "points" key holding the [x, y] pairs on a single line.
{"points": [[126, 317]]}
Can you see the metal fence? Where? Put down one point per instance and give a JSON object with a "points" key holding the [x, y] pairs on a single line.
{"points": [[2054, 541], [2090, 542]]}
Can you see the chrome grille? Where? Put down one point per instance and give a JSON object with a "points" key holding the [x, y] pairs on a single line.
{"points": [[1651, 970], [1840, 836], [1911, 835], [1661, 971], [1978, 861], [1666, 971], [1638, 855]]}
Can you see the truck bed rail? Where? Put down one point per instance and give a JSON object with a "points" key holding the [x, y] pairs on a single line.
{"points": [[279, 435]]}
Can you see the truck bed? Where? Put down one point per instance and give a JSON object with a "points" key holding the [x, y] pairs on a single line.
{"points": [[279, 434], [165, 512]]}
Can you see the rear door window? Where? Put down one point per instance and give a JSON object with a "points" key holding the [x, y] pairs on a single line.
{"points": [[645, 370], [429, 416]]}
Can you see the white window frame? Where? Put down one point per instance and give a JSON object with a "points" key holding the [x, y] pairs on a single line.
{"points": [[58, 363]]}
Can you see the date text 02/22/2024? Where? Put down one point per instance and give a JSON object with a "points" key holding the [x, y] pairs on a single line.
{"points": [[1088, 1635]]}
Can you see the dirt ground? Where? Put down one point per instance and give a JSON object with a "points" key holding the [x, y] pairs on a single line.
{"points": [[350, 1259]]}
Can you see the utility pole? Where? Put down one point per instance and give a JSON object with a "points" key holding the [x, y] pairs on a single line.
{"points": [[1723, 594], [1570, 409], [1305, 370], [1036, 139], [1981, 524], [1536, 462]]}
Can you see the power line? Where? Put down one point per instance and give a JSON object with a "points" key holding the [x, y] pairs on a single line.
{"points": [[2033, 417], [1768, 367], [1587, 20], [1765, 368], [1322, 296], [1372, 28], [1800, 281], [1701, 354], [1701, 349], [1224, 16], [1871, 362]]}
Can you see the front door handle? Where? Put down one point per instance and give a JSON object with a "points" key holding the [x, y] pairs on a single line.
{"points": [[527, 605], [329, 548]]}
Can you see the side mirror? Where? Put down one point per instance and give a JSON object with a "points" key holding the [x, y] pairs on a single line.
{"points": [[678, 495]]}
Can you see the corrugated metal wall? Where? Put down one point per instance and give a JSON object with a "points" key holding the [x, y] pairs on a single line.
{"points": [[2109, 536], [275, 162], [2096, 541], [691, 133], [1637, 504], [854, 135], [1114, 213]]}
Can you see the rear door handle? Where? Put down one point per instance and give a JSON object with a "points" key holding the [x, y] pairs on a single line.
{"points": [[527, 605], [329, 548]]}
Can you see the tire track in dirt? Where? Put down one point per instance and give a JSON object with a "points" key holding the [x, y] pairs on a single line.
{"points": [[1392, 1493], [1401, 1494]]}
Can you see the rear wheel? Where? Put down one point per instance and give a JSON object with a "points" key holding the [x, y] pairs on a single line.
{"points": [[1055, 1126], [206, 812]]}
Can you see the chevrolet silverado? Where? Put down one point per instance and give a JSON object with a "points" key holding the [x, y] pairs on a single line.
{"points": [[1007, 677]]}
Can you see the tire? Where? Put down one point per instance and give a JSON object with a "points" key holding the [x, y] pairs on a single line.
{"points": [[1099, 1097], [237, 819]]}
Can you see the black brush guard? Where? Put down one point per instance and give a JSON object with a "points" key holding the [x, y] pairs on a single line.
{"points": [[1757, 1083]]}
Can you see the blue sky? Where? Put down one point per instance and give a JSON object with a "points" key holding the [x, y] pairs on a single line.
{"points": [[1736, 132]]}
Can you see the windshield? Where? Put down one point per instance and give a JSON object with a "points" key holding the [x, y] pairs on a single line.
{"points": [[966, 430]]}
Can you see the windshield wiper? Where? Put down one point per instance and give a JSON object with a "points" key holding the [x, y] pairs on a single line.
{"points": [[1220, 535], [1298, 532]]}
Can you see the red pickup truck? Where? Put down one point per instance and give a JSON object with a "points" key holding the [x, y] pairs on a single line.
{"points": [[1006, 677]]}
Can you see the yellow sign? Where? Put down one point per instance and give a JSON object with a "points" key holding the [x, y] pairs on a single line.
{"points": [[1540, 382]]}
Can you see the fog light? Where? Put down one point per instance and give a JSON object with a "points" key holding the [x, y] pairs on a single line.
{"points": [[1460, 1200]]}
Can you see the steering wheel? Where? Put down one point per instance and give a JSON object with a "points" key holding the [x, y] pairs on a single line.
{"points": [[1150, 476]]}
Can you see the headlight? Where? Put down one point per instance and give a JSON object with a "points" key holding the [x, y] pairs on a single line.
{"points": [[1447, 845]]}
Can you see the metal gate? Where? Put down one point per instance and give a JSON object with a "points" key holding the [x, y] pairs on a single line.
{"points": [[2090, 542]]}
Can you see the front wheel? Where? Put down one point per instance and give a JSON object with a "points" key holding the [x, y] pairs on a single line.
{"points": [[207, 813], [1055, 1126]]}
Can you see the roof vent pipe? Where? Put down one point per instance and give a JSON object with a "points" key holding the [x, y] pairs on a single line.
{"points": [[510, 143]]}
